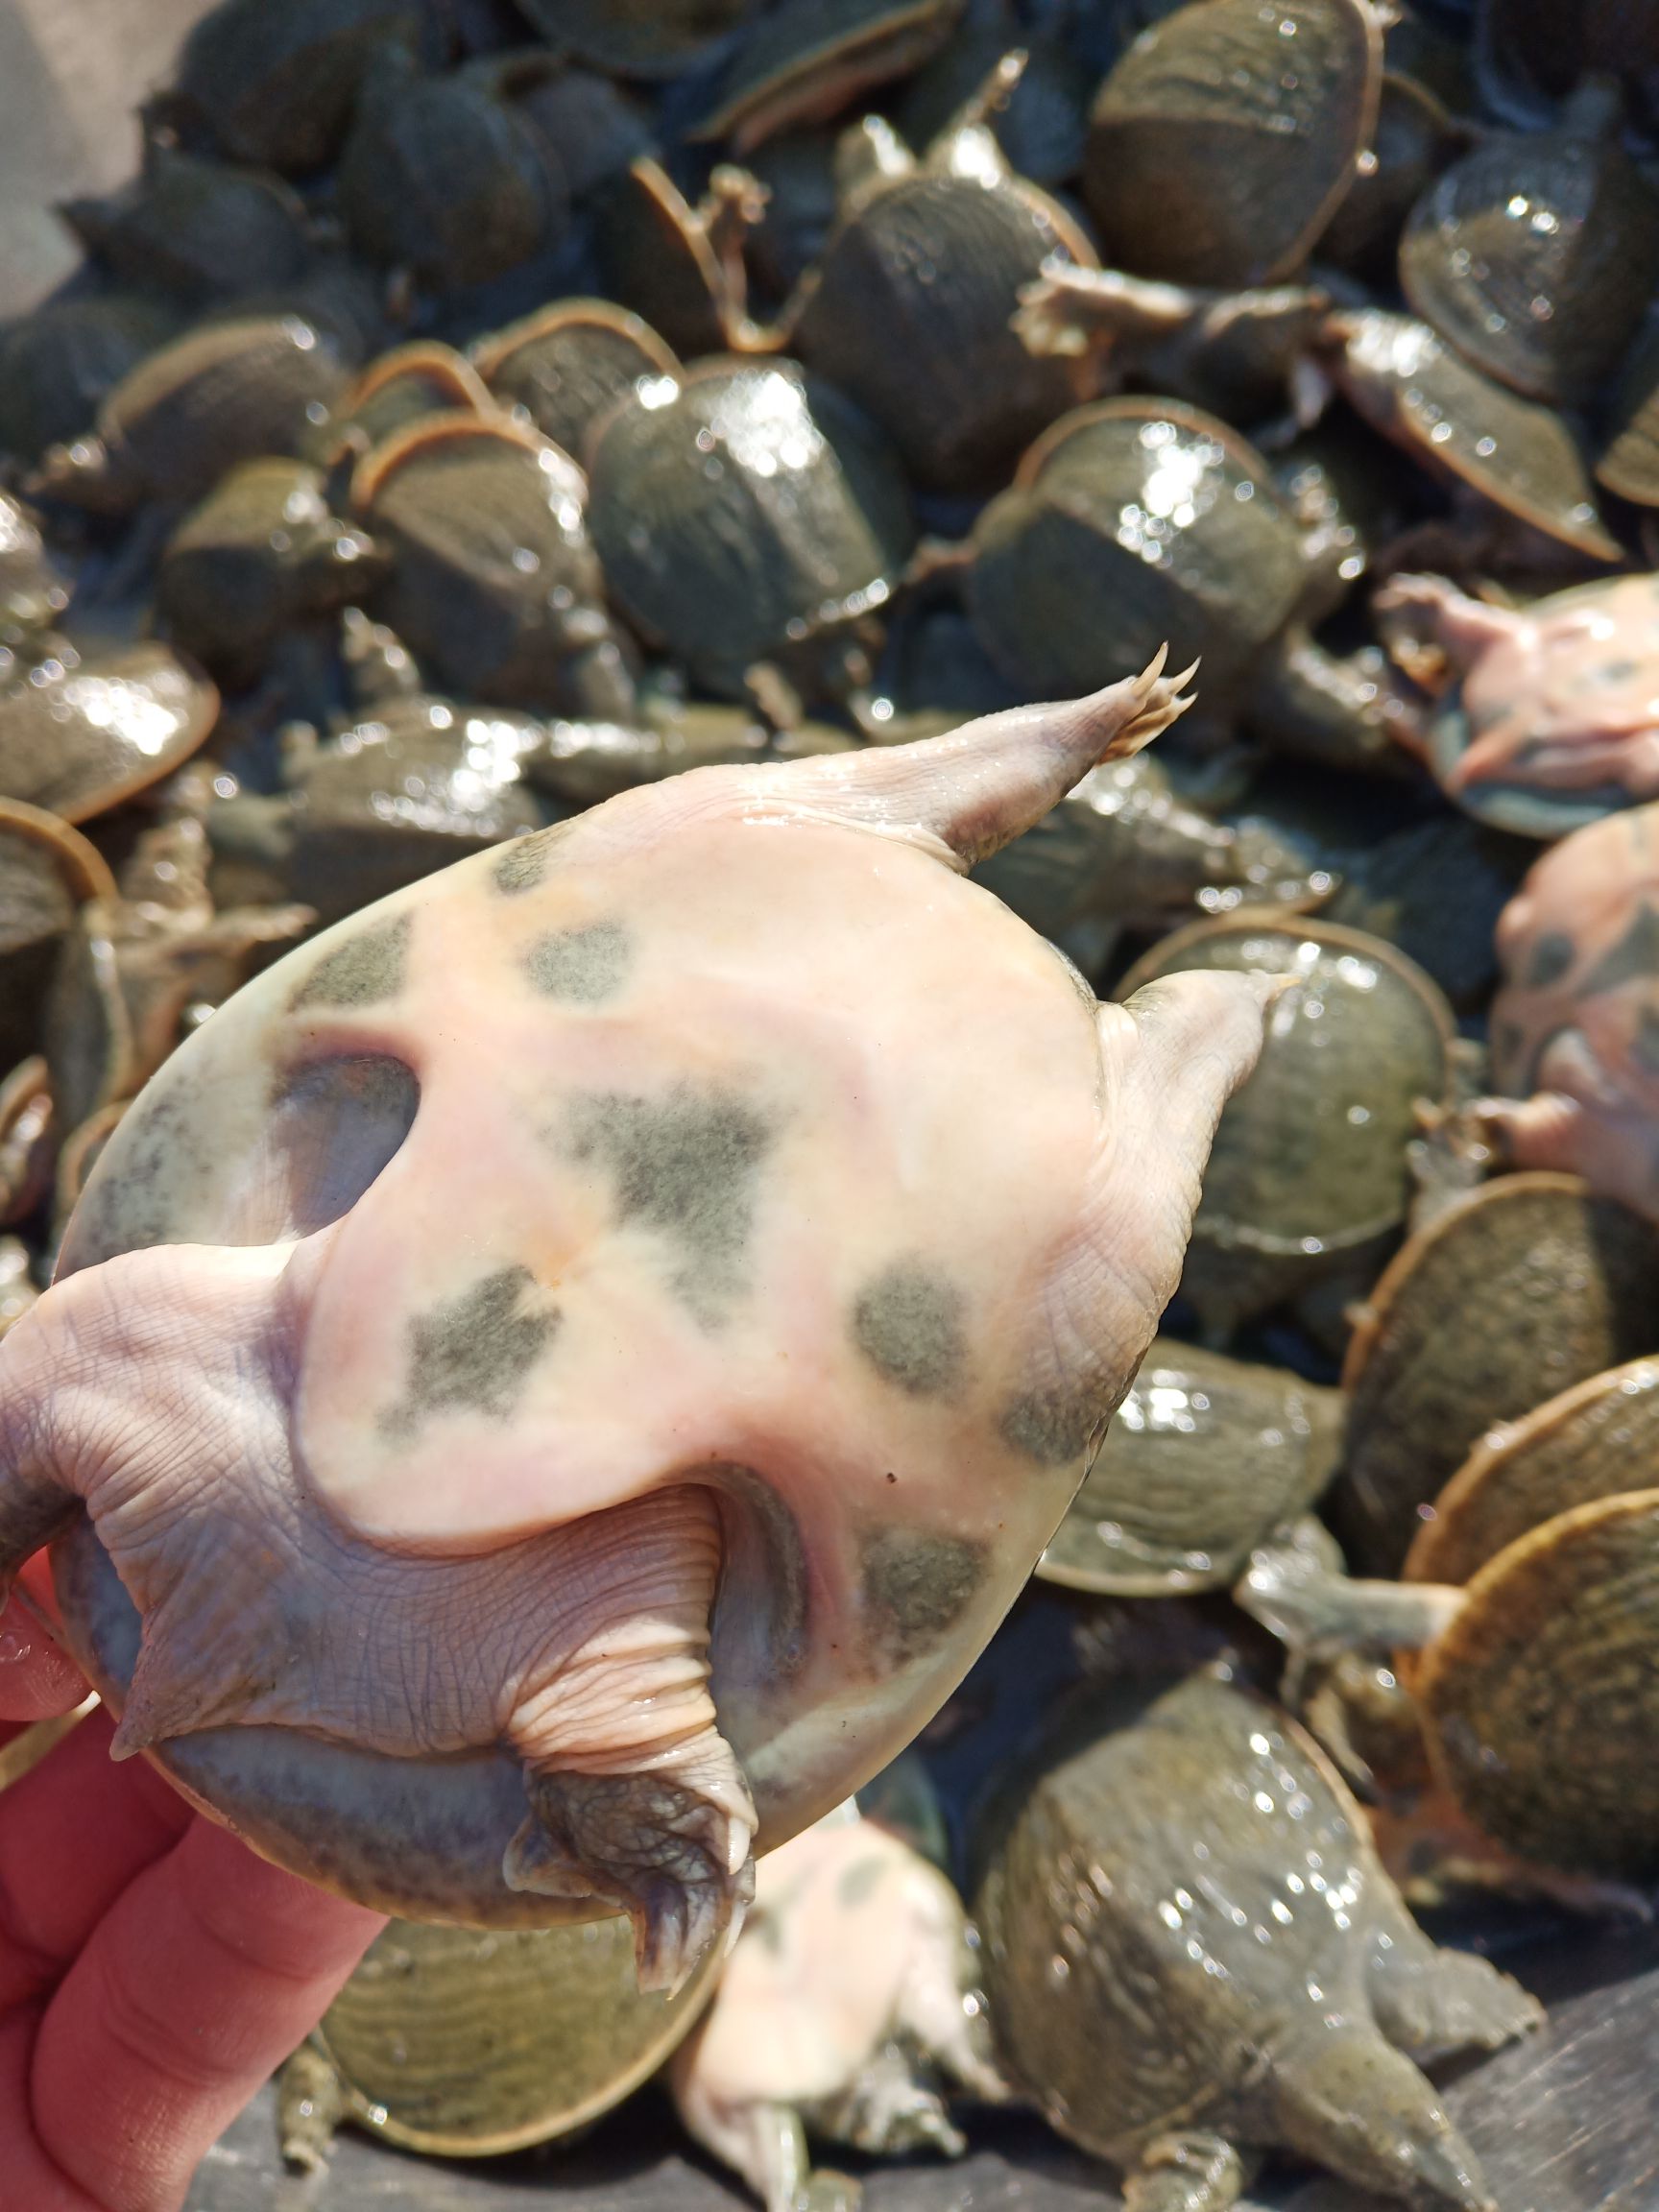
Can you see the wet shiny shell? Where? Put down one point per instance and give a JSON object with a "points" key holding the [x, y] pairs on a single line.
{"points": [[742, 509], [1540, 1700], [1414, 140], [809, 59], [46, 869], [1417, 390], [1130, 522], [195, 228], [468, 2045], [58, 364], [1224, 141], [79, 732], [1205, 1458], [1596, 1440], [1436, 891], [567, 365], [1527, 1287], [493, 584], [1536, 256], [1309, 1158], [227, 393], [910, 317], [278, 84], [646, 39]]}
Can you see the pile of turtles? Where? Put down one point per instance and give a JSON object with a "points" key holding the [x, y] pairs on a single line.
{"points": [[473, 408]]}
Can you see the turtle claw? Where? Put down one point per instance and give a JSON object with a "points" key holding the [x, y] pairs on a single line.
{"points": [[676, 1861]]}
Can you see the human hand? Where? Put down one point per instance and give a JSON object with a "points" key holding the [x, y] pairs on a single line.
{"points": [[152, 1971]]}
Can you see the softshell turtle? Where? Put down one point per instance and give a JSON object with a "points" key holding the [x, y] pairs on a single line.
{"points": [[849, 1995], [494, 585], [1576, 1024], [225, 393], [81, 729], [740, 507], [1551, 718], [628, 1591], [195, 230], [909, 311], [1041, 125], [1535, 254], [422, 377], [465, 2044], [568, 364], [1309, 1167], [1133, 515], [260, 554], [649, 38], [28, 1137], [1206, 1458], [60, 363], [806, 60], [1457, 423], [1229, 133], [1193, 1954], [47, 869], [1524, 1287]]}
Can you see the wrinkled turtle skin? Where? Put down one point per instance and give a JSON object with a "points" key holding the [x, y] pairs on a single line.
{"points": [[1551, 718], [1206, 1458], [1310, 1167], [1469, 1326], [494, 585], [1575, 1023], [1210, 160], [1193, 1954], [591, 1405], [847, 2008], [225, 393], [466, 2045], [909, 308], [741, 508]]}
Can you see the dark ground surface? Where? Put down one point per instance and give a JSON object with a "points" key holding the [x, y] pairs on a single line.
{"points": [[1565, 2122]]}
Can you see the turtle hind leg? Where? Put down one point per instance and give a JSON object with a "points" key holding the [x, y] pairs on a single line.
{"points": [[1430, 2002], [1345, 2098], [310, 2105], [1189, 2169]]}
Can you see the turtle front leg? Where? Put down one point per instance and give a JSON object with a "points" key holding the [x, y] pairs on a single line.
{"points": [[1189, 2169], [1431, 2002], [1297, 1588]]}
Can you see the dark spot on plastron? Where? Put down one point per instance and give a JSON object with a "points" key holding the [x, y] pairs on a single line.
{"points": [[1507, 1039], [1553, 956], [916, 1586], [908, 1322], [684, 1166], [473, 1353], [582, 967], [1636, 954], [523, 864], [1060, 1422], [860, 1881], [366, 971], [1618, 671], [1645, 1044], [334, 1126]]}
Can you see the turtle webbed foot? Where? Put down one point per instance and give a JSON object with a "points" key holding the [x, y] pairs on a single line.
{"points": [[1430, 2003], [1190, 2171], [676, 1858]]}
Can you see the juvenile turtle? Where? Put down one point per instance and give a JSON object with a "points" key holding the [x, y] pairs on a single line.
{"points": [[422, 377], [464, 2044], [1629, 461], [1436, 890], [586, 1410], [81, 729], [1525, 1286], [1205, 1458], [1536, 253], [1228, 134], [741, 509], [58, 363], [17, 1293], [1457, 423], [493, 584], [1309, 1170], [848, 2004], [681, 264], [1133, 516], [582, 763], [807, 59], [277, 85], [1573, 1026], [908, 310], [33, 593], [1192, 1955], [1549, 717], [169, 430], [260, 554], [46, 871], [648, 39], [564, 367], [196, 230]]}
